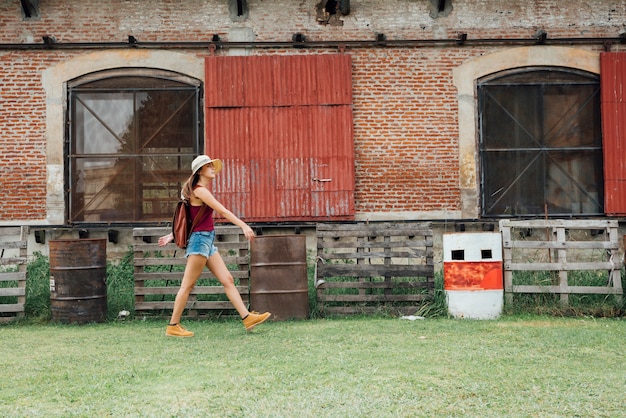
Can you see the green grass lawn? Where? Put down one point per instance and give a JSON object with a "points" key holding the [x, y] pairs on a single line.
{"points": [[528, 366]]}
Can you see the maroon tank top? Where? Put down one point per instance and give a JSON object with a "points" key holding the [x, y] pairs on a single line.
{"points": [[204, 224]]}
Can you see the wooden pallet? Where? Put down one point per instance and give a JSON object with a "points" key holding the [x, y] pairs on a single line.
{"points": [[13, 272], [561, 247], [158, 273], [374, 267]]}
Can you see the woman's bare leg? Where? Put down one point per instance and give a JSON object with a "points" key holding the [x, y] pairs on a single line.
{"points": [[193, 270], [215, 263]]}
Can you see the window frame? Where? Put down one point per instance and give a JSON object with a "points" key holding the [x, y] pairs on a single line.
{"points": [[74, 86], [507, 78]]}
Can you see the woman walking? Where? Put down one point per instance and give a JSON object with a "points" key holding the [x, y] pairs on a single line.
{"points": [[201, 250]]}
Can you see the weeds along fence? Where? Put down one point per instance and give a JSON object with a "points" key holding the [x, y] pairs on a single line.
{"points": [[13, 266], [560, 256], [158, 272], [374, 267]]}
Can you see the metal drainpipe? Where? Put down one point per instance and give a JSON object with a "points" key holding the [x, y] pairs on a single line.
{"points": [[462, 40]]}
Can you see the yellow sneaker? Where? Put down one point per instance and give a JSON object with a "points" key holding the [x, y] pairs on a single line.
{"points": [[253, 319], [177, 331]]}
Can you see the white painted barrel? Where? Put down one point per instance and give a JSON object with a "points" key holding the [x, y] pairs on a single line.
{"points": [[472, 271]]}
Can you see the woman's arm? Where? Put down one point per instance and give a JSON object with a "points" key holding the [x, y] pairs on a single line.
{"points": [[166, 239]]}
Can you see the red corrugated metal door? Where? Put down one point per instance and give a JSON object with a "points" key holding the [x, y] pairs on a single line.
{"points": [[283, 126], [613, 90]]}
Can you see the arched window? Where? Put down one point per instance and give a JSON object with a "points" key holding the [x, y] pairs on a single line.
{"points": [[540, 143], [132, 136]]}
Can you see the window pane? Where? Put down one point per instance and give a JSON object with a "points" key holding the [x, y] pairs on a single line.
{"points": [[107, 190], [513, 117], [164, 119], [102, 122], [100, 190], [575, 123], [514, 181], [572, 182]]}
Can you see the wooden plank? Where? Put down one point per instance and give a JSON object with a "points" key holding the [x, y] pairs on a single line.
{"points": [[372, 233], [426, 227], [145, 262], [164, 230], [12, 291], [592, 290], [195, 305], [364, 243], [562, 259], [374, 298], [351, 309], [12, 245], [12, 276], [162, 261], [13, 260], [223, 246], [371, 270], [151, 232], [616, 274], [507, 257], [12, 308], [154, 247], [556, 266], [376, 285], [414, 255], [11, 230], [362, 310], [177, 276], [198, 290], [558, 245], [565, 223]]}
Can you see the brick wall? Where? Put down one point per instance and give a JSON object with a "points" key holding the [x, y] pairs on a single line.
{"points": [[22, 136], [405, 102], [405, 130]]}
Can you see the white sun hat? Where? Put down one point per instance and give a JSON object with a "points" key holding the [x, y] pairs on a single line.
{"points": [[202, 160]]}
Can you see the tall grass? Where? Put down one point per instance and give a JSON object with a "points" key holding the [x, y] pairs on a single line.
{"points": [[37, 304], [120, 293], [597, 305], [120, 286]]}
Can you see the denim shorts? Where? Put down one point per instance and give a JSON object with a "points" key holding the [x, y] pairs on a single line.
{"points": [[201, 243]]}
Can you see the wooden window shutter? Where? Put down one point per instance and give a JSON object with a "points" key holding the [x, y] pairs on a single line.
{"points": [[613, 98], [283, 127]]}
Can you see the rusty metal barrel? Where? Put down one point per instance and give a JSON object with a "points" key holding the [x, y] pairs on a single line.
{"points": [[78, 293], [278, 276]]}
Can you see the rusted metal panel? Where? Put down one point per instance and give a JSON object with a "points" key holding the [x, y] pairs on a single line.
{"points": [[612, 85], [258, 81], [333, 162], [278, 80], [223, 86], [334, 76], [293, 160], [295, 80], [226, 138]]}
